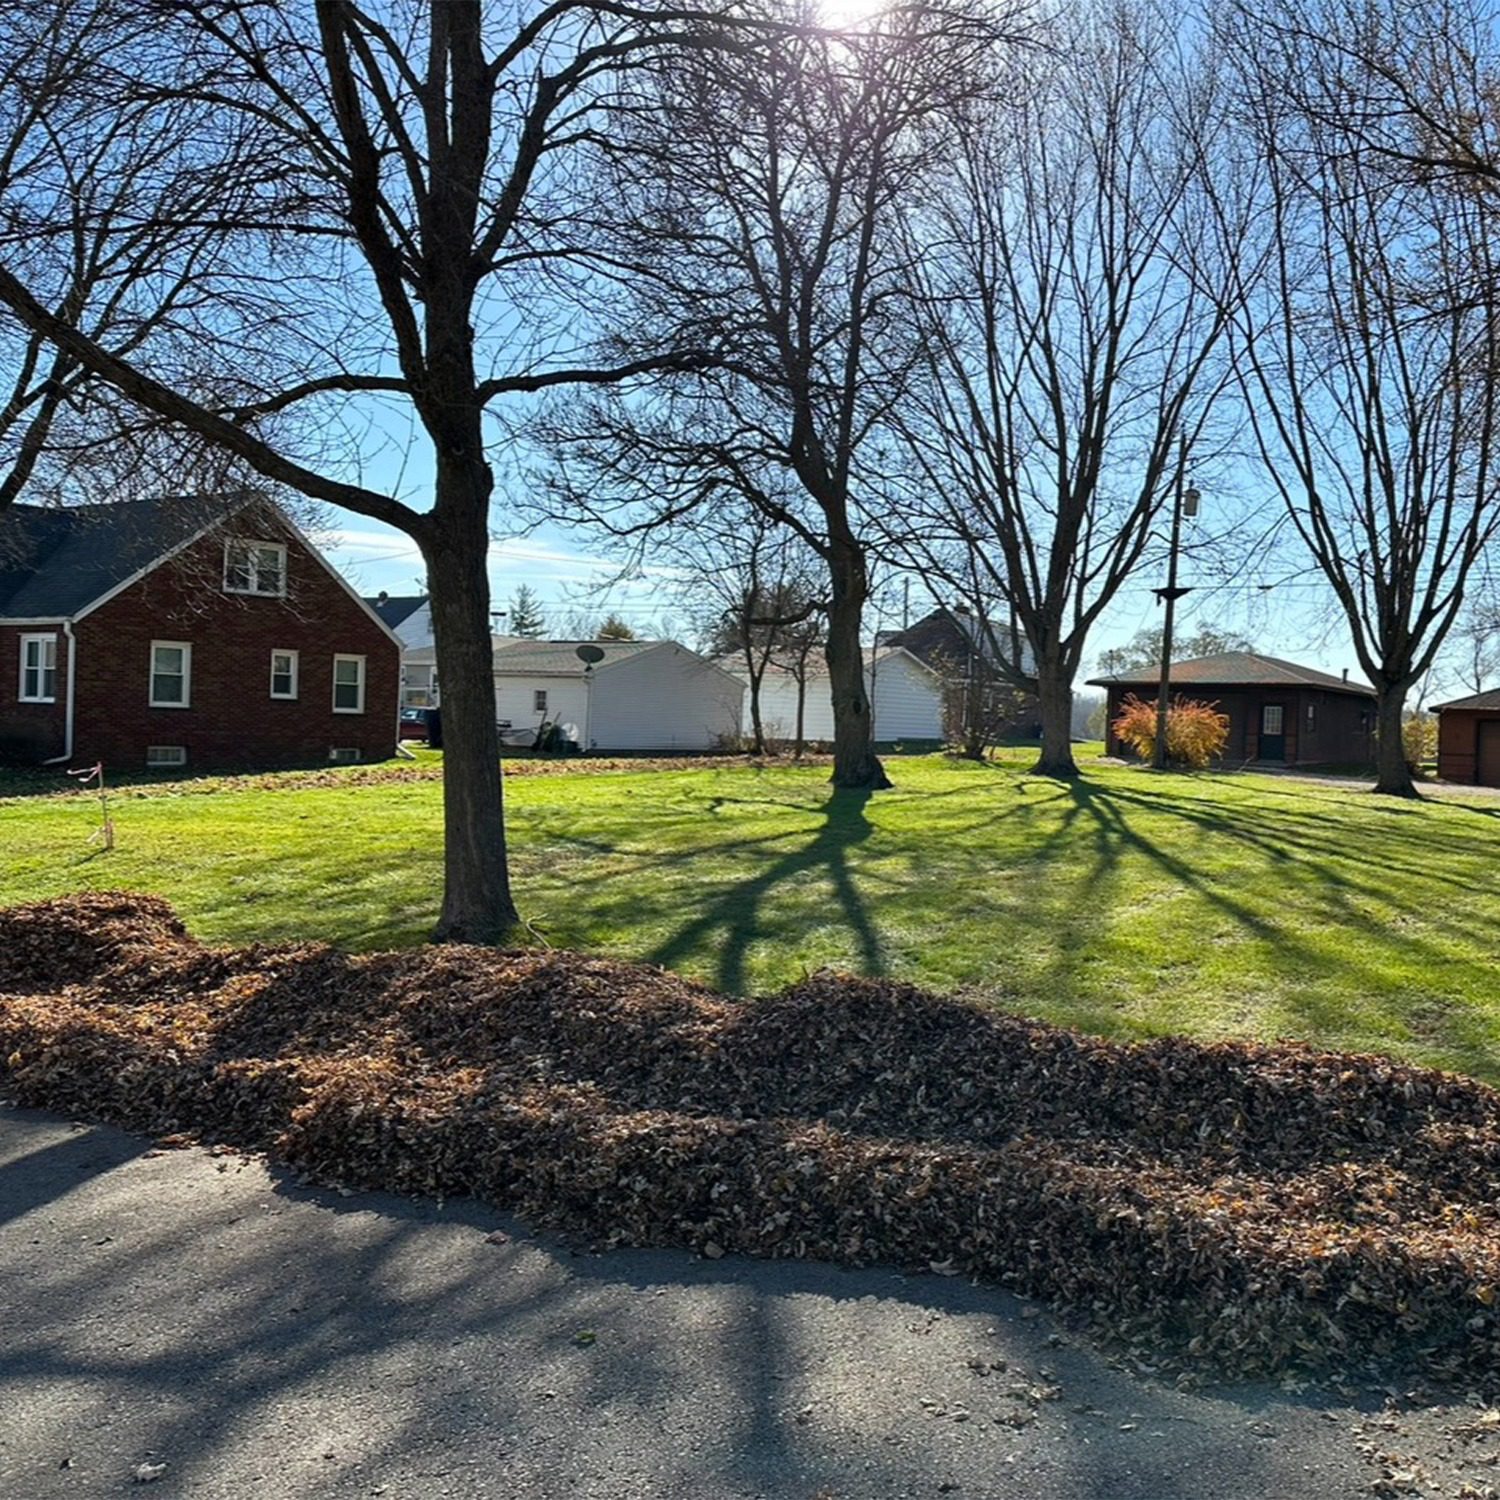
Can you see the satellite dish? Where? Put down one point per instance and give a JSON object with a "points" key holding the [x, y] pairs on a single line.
{"points": [[589, 654]]}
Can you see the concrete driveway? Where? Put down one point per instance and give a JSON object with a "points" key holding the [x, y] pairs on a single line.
{"points": [[182, 1324]]}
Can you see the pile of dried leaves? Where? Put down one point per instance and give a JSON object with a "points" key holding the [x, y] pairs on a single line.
{"points": [[1255, 1208], [389, 773]]}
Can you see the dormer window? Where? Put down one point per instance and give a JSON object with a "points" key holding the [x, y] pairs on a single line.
{"points": [[252, 567]]}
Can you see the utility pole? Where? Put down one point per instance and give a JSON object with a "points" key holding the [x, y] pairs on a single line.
{"points": [[1169, 596]]}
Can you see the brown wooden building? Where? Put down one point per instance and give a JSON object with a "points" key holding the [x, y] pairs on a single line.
{"points": [[1469, 739], [1279, 712]]}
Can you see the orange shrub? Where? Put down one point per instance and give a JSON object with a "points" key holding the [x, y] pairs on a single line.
{"points": [[1196, 731]]}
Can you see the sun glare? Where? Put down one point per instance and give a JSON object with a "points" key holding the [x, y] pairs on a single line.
{"points": [[849, 15]]}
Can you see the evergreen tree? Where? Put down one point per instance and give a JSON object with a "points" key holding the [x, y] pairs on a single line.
{"points": [[526, 616]]}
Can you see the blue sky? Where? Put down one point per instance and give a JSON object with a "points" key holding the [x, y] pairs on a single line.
{"points": [[1289, 620]]}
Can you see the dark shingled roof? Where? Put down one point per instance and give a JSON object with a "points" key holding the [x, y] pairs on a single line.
{"points": [[1491, 699], [393, 609], [1235, 669], [55, 562]]}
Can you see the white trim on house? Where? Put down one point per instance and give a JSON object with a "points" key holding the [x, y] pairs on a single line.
{"points": [[156, 562], [41, 669], [72, 690], [10, 621], [253, 546], [294, 672], [358, 684], [338, 577], [222, 519], [186, 675]]}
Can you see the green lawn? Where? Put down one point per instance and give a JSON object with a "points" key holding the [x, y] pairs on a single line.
{"points": [[1130, 903]]}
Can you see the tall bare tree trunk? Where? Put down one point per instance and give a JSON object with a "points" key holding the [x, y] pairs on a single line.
{"points": [[1055, 698], [801, 739], [1392, 774], [855, 763], [757, 728], [477, 903]]}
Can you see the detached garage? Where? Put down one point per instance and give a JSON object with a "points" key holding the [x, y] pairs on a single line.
{"points": [[1469, 739], [906, 699], [628, 695]]}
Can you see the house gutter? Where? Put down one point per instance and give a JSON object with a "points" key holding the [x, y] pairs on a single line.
{"points": [[67, 754]]}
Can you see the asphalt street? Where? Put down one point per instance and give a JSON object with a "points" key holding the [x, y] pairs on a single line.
{"points": [[179, 1323]]}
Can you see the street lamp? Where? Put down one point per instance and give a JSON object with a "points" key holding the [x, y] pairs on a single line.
{"points": [[1184, 502]]}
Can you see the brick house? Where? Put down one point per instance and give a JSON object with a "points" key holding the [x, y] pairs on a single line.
{"points": [[185, 631], [1279, 713]]}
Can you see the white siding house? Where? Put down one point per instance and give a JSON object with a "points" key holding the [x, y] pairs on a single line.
{"points": [[665, 698], [420, 687], [906, 699], [409, 615], [643, 695]]}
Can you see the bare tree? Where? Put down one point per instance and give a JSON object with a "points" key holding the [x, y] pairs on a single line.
{"points": [[1474, 655], [426, 232], [1075, 308], [771, 220], [1373, 354], [103, 200], [748, 581]]}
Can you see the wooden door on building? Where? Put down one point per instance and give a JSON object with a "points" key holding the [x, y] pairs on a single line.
{"points": [[1272, 732], [1487, 769]]}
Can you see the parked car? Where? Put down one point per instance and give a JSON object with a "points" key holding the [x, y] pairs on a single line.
{"points": [[413, 724]]}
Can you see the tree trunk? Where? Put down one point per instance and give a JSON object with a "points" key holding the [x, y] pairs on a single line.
{"points": [[855, 763], [1055, 697], [801, 740], [1392, 774], [477, 902], [757, 729]]}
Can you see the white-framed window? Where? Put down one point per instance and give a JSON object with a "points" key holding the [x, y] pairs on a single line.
{"points": [[348, 684], [254, 567], [283, 674], [539, 701], [39, 668], [171, 674], [166, 755]]}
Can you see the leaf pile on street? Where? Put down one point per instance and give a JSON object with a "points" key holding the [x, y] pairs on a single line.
{"points": [[1251, 1208]]}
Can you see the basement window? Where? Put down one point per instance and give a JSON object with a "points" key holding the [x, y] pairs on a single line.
{"points": [[344, 756], [166, 755]]}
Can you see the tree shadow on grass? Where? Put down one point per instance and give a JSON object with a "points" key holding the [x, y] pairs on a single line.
{"points": [[733, 919], [1320, 875]]}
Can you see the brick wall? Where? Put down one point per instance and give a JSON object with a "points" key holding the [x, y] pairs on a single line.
{"points": [[1458, 742], [30, 732], [232, 720]]}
